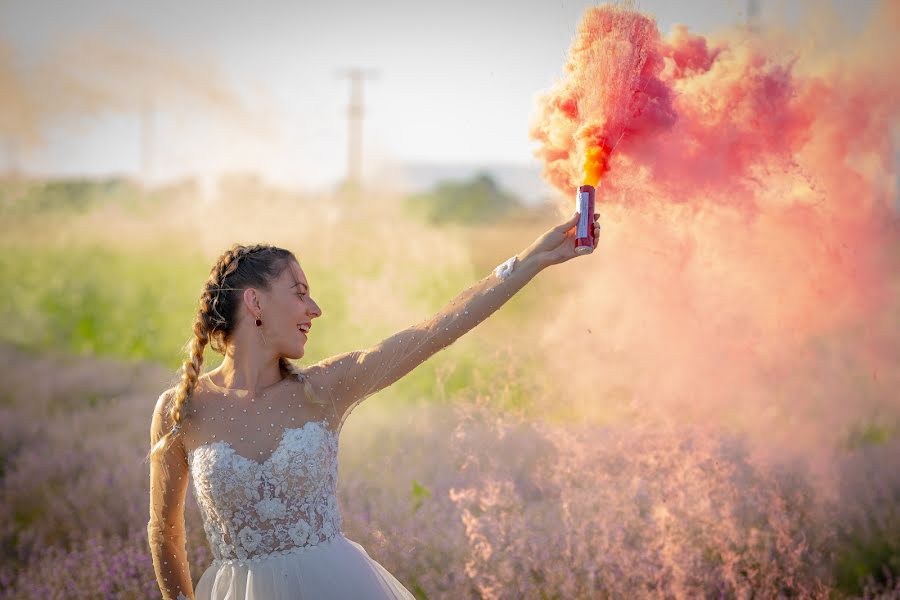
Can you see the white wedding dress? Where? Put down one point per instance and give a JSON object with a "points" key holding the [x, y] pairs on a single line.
{"points": [[274, 527]]}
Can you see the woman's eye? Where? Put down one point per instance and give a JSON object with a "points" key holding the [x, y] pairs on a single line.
{"points": [[300, 295]]}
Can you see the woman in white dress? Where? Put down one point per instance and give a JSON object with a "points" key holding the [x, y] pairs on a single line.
{"points": [[259, 436]]}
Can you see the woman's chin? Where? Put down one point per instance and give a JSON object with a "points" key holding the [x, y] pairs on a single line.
{"points": [[295, 353]]}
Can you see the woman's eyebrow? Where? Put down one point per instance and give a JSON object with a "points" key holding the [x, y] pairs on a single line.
{"points": [[300, 283]]}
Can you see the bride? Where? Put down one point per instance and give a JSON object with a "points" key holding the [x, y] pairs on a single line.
{"points": [[259, 436]]}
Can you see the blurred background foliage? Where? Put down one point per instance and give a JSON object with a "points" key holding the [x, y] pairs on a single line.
{"points": [[98, 271], [470, 202]]}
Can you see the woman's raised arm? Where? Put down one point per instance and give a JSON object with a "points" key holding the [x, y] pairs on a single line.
{"points": [[351, 377], [165, 529]]}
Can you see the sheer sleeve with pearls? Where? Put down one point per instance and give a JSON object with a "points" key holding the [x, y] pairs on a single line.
{"points": [[166, 528]]}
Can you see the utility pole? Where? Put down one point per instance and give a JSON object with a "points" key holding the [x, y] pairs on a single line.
{"points": [[753, 15], [355, 113], [12, 157], [12, 186], [146, 140]]}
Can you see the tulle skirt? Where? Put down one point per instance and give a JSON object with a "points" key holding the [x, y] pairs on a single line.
{"points": [[337, 569]]}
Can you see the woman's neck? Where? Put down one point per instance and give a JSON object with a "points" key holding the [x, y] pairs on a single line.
{"points": [[247, 375]]}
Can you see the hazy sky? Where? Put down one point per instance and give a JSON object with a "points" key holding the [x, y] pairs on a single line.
{"points": [[456, 80]]}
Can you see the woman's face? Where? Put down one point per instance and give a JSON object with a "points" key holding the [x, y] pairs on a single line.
{"points": [[288, 306]]}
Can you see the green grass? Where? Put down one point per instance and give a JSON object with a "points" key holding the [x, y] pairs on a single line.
{"points": [[857, 559], [134, 302], [92, 299]]}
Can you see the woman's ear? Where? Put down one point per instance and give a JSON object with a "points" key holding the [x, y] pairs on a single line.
{"points": [[251, 301]]}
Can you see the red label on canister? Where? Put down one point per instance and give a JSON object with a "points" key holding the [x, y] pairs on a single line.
{"points": [[584, 232]]}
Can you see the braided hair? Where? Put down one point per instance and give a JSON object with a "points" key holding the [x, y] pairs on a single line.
{"points": [[238, 268]]}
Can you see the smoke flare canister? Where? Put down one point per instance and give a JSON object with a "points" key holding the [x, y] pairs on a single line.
{"points": [[584, 232]]}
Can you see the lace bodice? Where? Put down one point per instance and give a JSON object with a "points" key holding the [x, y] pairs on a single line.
{"points": [[283, 504]]}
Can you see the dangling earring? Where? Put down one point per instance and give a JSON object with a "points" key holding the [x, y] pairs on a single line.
{"points": [[259, 328]]}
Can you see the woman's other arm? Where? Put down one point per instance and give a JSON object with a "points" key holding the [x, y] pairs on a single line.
{"points": [[165, 529]]}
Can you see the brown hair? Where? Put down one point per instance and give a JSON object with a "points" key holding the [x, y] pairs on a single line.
{"points": [[239, 267]]}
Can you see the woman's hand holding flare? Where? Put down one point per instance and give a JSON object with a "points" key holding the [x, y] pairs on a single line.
{"points": [[557, 245]]}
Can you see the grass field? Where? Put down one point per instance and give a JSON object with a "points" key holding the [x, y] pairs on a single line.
{"points": [[484, 473]]}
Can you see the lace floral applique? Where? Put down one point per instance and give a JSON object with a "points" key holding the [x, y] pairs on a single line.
{"points": [[270, 509], [252, 510]]}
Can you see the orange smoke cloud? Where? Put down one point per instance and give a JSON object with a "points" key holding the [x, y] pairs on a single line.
{"points": [[613, 89], [749, 192], [687, 114], [596, 163], [782, 162]]}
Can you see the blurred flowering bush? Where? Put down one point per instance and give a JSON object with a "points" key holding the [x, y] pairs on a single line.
{"points": [[460, 500]]}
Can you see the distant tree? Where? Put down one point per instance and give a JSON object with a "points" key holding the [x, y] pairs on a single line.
{"points": [[73, 194], [471, 201]]}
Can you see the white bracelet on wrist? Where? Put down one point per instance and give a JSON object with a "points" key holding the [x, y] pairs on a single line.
{"points": [[503, 271]]}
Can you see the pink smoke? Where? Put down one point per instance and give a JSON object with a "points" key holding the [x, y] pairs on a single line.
{"points": [[749, 217], [689, 115]]}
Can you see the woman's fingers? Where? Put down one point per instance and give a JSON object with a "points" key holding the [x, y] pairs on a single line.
{"points": [[568, 224]]}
